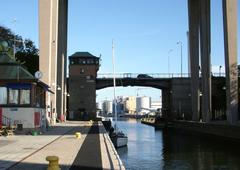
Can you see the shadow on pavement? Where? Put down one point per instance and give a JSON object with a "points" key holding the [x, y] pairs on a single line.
{"points": [[89, 156], [11, 165]]}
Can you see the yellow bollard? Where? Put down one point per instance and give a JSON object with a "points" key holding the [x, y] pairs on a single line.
{"points": [[53, 163], [78, 135], [90, 122]]}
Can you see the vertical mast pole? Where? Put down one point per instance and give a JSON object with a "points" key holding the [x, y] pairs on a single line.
{"points": [[114, 84]]}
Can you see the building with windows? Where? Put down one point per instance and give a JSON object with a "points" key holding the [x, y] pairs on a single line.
{"points": [[130, 105], [22, 96], [82, 85], [107, 108]]}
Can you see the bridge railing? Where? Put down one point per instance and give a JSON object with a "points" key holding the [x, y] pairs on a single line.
{"points": [[151, 75]]}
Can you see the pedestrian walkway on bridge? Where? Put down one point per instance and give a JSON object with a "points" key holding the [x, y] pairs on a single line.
{"points": [[93, 150]]}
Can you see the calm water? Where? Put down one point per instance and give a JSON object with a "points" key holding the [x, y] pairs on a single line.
{"points": [[150, 149]]}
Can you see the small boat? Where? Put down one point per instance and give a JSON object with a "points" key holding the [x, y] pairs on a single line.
{"points": [[118, 138]]}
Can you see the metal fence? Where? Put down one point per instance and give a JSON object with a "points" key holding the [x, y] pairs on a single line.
{"points": [[152, 75]]}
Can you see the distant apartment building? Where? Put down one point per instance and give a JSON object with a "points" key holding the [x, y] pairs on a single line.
{"points": [[130, 105], [83, 69], [119, 105], [107, 107]]}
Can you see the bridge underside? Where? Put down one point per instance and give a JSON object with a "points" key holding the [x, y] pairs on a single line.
{"points": [[158, 83]]}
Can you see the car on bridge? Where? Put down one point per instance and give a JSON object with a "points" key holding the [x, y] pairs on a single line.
{"points": [[144, 76]]}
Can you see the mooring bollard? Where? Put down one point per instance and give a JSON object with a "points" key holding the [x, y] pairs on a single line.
{"points": [[53, 163], [90, 122], [78, 135]]}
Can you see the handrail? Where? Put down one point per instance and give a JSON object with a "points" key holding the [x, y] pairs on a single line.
{"points": [[6, 121], [152, 75]]}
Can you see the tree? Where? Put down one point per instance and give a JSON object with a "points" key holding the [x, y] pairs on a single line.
{"points": [[26, 52], [29, 56], [238, 70]]}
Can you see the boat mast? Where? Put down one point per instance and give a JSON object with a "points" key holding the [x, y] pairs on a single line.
{"points": [[114, 84]]}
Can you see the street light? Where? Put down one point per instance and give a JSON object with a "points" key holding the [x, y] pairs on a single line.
{"points": [[180, 42], [220, 71], [169, 51]]}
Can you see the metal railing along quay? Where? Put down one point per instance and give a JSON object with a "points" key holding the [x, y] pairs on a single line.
{"points": [[152, 75]]}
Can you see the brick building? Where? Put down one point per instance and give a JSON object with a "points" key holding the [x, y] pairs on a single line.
{"points": [[83, 68]]}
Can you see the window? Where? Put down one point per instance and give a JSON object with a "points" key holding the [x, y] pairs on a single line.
{"points": [[40, 97], [13, 96], [3, 95], [24, 96], [82, 70], [79, 61]]}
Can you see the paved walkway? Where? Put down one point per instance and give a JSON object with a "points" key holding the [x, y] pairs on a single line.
{"points": [[93, 150]]}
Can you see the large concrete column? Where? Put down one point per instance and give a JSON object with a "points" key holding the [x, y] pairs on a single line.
{"points": [[52, 45], [48, 18], [62, 56], [194, 16], [166, 104], [230, 42], [205, 60]]}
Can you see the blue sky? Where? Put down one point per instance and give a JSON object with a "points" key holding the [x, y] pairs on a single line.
{"points": [[144, 31]]}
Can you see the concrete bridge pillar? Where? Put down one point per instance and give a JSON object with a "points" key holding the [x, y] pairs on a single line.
{"points": [[62, 56], [230, 43], [199, 24], [205, 44], [166, 104], [53, 46], [194, 21]]}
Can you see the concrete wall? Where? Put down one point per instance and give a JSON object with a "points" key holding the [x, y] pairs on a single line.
{"points": [[220, 130], [181, 98], [180, 95], [25, 116]]}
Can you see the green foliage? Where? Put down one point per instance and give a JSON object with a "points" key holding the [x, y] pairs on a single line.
{"points": [[238, 70], [26, 52]]}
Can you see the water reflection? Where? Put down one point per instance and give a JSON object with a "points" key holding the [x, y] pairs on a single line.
{"points": [[169, 150], [183, 151]]}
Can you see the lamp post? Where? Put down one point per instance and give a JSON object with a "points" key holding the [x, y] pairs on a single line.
{"points": [[180, 42], [220, 71], [169, 51]]}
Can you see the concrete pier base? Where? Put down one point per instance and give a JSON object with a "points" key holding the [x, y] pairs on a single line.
{"points": [[218, 129]]}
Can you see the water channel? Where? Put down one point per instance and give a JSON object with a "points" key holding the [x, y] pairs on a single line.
{"points": [[150, 149]]}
